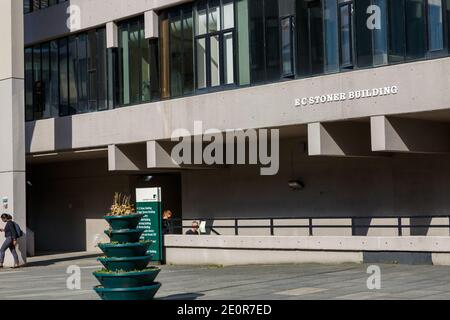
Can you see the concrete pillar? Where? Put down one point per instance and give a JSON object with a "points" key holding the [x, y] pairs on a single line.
{"points": [[112, 36], [391, 134], [12, 118], [342, 139], [151, 21]]}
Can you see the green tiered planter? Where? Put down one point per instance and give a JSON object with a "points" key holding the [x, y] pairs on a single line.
{"points": [[126, 276]]}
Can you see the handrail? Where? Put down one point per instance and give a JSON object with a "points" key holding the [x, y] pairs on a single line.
{"points": [[272, 226]]}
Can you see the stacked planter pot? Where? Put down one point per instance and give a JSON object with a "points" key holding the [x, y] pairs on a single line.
{"points": [[126, 276]]}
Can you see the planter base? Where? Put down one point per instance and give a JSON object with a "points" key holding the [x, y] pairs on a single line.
{"points": [[141, 293]]}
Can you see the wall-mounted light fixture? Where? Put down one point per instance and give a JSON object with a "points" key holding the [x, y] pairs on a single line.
{"points": [[296, 185]]}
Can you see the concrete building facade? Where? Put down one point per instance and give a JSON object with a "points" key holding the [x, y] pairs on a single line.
{"points": [[357, 89]]}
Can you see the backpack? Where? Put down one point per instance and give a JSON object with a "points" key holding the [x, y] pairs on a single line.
{"points": [[19, 231]]}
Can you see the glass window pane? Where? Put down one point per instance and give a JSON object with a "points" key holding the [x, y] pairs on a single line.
{"points": [[435, 25], [92, 70], [38, 93], [228, 49], [331, 36], [363, 34], [176, 57], [145, 65], [125, 65], [28, 84], [201, 20], [346, 46], [228, 14], [214, 16], [256, 34], [201, 63], [243, 42], [286, 46], [102, 70], [54, 78], [316, 25], [188, 53], [397, 31], [64, 78], [272, 37], [380, 35], [73, 75], [82, 79], [135, 63], [46, 80], [415, 29], [215, 61]]}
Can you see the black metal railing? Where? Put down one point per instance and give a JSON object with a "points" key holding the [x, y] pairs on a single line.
{"points": [[357, 224]]}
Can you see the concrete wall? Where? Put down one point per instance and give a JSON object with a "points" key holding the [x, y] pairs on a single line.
{"points": [[400, 185], [230, 250], [423, 86], [68, 201]]}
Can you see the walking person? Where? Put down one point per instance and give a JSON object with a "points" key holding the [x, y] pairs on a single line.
{"points": [[10, 243]]}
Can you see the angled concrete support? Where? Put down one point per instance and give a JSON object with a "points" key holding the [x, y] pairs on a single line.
{"points": [[159, 155], [127, 157], [12, 124], [342, 139], [391, 134]]}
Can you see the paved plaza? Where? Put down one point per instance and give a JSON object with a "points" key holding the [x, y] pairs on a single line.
{"points": [[46, 277]]}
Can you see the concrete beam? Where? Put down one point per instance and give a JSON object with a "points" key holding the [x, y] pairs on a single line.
{"points": [[127, 157], [342, 139], [391, 134]]}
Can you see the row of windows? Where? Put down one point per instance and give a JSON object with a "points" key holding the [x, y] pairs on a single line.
{"points": [[67, 76], [35, 5], [217, 44]]}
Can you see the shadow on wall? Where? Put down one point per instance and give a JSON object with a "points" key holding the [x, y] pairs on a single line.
{"points": [[56, 18]]}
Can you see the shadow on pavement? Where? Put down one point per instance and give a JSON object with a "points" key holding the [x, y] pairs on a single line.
{"points": [[183, 296], [50, 261]]}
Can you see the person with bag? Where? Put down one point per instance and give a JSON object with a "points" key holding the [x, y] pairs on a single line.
{"points": [[11, 236]]}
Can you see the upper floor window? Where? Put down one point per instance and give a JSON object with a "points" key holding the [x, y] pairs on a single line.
{"points": [[138, 64], [214, 43], [67, 76]]}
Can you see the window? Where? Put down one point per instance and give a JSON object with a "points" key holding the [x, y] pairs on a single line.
{"points": [[435, 25], [66, 76], [265, 62], [134, 64], [181, 51], [346, 33], [287, 47], [214, 43]]}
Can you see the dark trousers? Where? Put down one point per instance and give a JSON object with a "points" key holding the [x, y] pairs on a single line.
{"points": [[8, 244]]}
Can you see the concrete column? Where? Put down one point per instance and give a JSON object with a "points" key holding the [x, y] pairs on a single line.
{"points": [[151, 22], [342, 139], [112, 36], [12, 118], [391, 134]]}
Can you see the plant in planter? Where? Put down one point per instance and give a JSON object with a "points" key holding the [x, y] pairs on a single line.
{"points": [[126, 276]]}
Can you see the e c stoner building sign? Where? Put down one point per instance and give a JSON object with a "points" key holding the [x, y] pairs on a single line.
{"points": [[344, 96]]}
